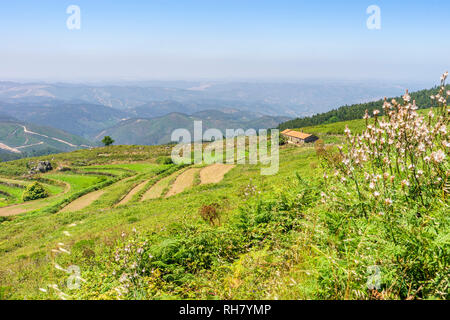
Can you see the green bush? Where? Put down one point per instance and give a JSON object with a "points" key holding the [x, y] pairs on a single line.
{"points": [[35, 191], [164, 160], [282, 140]]}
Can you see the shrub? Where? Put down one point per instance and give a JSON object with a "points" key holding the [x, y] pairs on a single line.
{"points": [[282, 140], [209, 213], [35, 191], [164, 160]]}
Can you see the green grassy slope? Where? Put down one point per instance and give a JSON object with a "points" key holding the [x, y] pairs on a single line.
{"points": [[24, 248], [278, 237]]}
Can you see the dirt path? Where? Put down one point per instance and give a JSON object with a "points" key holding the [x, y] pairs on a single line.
{"points": [[156, 190], [13, 210], [13, 181], [133, 191], [83, 201], [214, 173], [20, 208], [8, 148], [183, 181], [25, 130]]}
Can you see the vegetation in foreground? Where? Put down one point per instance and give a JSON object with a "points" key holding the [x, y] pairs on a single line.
{"points": [[368, 220]]}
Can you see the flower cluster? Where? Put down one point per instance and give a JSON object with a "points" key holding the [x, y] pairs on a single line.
{"points": [[129, 263], [249, 190], [401, 153]]}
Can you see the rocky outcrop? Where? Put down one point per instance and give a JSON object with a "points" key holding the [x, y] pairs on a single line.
{"points": [[41, 167]]}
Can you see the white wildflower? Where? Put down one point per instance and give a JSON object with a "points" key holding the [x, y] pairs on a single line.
{"points": [[438, 156]]}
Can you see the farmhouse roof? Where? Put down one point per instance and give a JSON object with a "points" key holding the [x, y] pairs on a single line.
{"points": [[296, 134]]}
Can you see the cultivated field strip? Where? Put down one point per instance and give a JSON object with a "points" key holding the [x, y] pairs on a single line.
{"points": [[83, 202], [133, 192], [182, 182], [214, 173], [157, 189]]}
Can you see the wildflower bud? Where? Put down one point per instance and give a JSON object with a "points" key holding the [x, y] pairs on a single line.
{"points": [[405, 183]]}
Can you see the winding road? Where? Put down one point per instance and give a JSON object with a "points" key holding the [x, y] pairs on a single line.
{"points": [[26, 131]]}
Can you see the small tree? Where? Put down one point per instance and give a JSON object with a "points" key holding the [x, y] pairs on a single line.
{"points": [[282, 140], [35, 191], [107, 141]]}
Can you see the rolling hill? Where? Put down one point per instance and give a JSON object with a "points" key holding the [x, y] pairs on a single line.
{"points": [[356, 111], [82, 119], [21, 139], [158, 130]]}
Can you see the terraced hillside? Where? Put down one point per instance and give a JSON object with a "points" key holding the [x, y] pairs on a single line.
{"points": [[89, 198], [122, 223]]}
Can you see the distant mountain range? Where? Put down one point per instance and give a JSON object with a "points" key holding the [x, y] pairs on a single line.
{"points": [[41, 118], [280, 99], [144, 131]]}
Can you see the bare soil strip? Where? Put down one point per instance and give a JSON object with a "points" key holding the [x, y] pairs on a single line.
{"points": [[12, 181], [130, 195], [157, 189], [13, 210], [183, 181], [83, 201], [214, 173], [8, 148]]}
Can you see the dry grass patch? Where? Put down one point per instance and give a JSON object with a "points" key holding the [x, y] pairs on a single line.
{"points": [[183, 181], [133, 191], [83, 201], [215, 173], [156, 190]]}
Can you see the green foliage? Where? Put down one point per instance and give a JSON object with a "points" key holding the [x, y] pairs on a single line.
{"points": [[149, 265], [164, 160], [287, 236], [394, 216], [356, 111], [107, 141], [35, 191], [282, 140]]}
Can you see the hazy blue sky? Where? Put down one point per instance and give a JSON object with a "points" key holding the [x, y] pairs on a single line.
{"points": [[231, 39]]}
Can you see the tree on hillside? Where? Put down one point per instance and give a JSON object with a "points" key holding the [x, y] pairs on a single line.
{"points": [[35, 191], [357, 111], [107, 141]]}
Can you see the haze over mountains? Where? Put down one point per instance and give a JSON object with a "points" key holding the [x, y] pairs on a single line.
{"points": [[147, 112], [280, 99]]}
